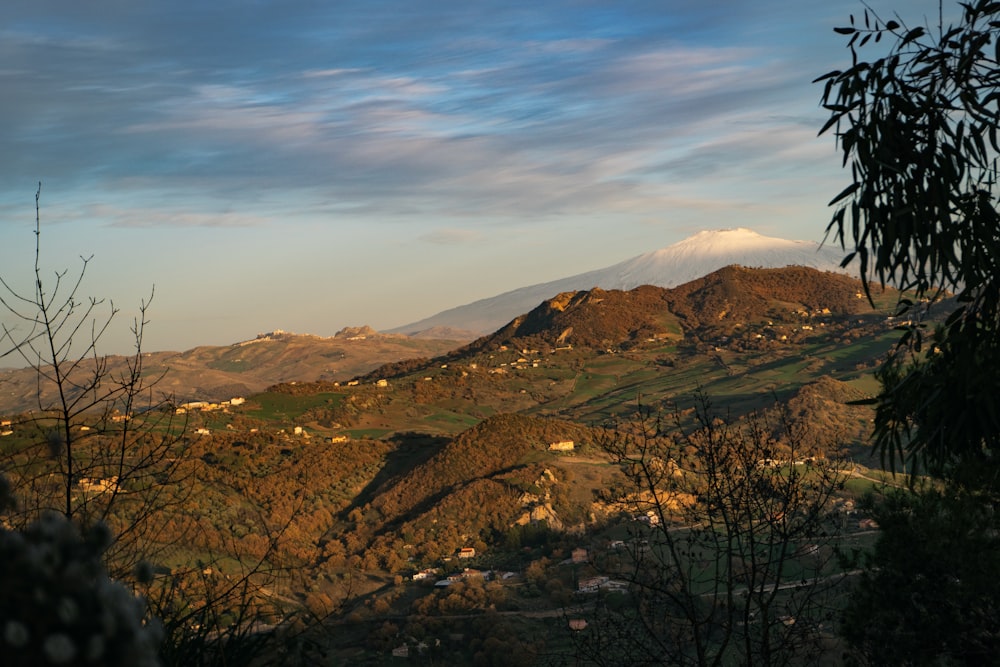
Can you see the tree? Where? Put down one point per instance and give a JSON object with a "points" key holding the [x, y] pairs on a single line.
{"points": [[918, 127], [102, 450], [930, 583], [99, 443], [730, 559]]}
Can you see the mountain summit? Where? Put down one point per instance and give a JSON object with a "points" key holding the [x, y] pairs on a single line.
{"points": [[682, 262]]}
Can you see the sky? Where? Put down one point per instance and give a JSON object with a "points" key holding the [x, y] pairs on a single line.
{"points": [[310, 165]]}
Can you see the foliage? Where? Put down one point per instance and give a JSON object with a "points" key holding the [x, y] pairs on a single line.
{"points": [[918, 127], [469, 488], [735, 566], [932, 583], [60, 607]]}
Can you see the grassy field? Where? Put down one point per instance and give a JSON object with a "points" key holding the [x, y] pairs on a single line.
{"points": [[273, 406]]}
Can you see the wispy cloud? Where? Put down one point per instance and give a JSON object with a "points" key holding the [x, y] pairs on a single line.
{"points": [[149, 218], [403, 124]]}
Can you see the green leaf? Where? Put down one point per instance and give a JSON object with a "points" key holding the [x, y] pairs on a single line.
{"points": [[829, 123], [846, 192], [916, 33], [828, 75]]}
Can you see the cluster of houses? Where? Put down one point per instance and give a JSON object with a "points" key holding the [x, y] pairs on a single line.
{"points": [[466, 573], [579, 556], [206, 406]]}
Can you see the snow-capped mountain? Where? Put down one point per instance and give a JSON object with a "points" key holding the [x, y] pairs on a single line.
{"points": [[682, 262]]}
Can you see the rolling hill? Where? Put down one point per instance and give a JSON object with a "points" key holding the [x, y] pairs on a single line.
{"points": [[211, 373], [436, 447], [733, 302]]}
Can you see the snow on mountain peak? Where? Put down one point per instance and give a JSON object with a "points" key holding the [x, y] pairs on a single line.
{"points": [[739, 241], [708, 251]]}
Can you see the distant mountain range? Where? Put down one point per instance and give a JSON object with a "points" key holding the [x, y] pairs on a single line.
{"points": [[546, 311], [682, 262]]}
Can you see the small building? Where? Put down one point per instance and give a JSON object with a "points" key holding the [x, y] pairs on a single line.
{"points": [[616, 586], [591, 584], [467, 552], [562, 446], [650, 517], [98, 485]]}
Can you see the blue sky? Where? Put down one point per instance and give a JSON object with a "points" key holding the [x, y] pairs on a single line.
{"points": [[311, 165]]}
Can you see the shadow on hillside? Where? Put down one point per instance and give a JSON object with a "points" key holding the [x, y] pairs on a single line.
{"points": [[428, 502], [412, 449]]}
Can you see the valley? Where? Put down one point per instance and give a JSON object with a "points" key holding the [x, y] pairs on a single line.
{"points": [[480, 490]]}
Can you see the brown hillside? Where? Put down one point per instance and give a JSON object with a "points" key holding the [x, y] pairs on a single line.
{"points": [[482, 451], [600, 319], [825, 415], [736, 293], [220, 373], [471, 487], [595, 319]]}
